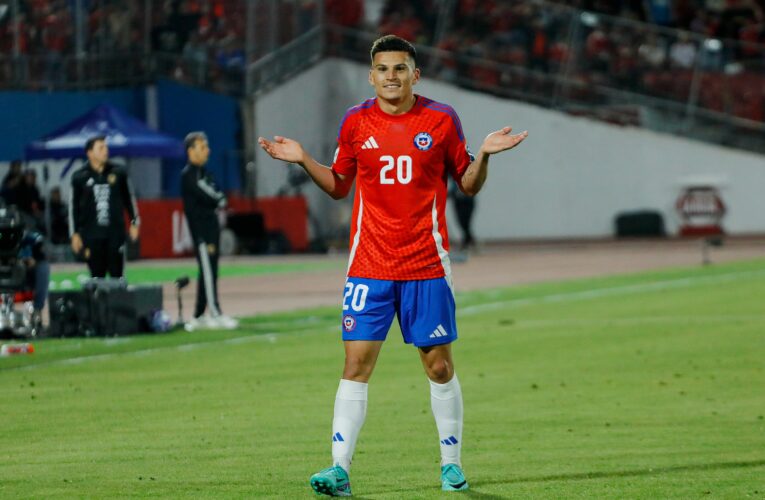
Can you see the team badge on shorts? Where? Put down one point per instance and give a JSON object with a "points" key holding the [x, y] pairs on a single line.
{"points": [[423, 141], [349, 323]]}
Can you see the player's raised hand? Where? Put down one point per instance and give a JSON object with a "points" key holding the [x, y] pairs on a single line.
{"points": [[502, 140], [283, 149]]}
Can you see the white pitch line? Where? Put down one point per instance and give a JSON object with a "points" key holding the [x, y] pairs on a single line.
{"points": [[653, 320], [606, 292], [266, 337]]}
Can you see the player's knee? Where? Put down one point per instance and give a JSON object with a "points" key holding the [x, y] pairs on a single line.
{"points": [[439, 371], [357, 369]]}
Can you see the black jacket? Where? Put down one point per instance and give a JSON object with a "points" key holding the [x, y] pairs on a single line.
{"points": [[97, 202], [200, 200]]}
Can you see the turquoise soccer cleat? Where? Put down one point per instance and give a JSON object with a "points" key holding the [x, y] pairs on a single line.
{"points": [[452, 478], [333, 481]]}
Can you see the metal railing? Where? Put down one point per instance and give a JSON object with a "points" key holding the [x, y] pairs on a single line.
{"points": [[285, 61]]}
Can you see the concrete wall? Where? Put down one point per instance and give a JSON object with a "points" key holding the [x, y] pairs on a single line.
{"points": [[570, 178]]}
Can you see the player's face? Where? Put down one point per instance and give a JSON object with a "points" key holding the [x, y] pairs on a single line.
{"points": [[393, 75], [199, 152], [99, 153]]}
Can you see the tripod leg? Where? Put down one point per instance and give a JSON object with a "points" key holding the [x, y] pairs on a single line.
{"points": [[180, 307]]}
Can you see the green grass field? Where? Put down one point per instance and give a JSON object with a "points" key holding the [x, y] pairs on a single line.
{"points": [[644, 386]]}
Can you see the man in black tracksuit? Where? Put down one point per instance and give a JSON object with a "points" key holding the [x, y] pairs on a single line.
{"points": [[100, 195], [201, 199]]}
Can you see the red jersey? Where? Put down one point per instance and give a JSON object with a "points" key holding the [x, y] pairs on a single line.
{"points": [[401, 163]]}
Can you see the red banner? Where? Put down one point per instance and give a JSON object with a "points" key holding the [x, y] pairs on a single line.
{"points": [[165, 233]]}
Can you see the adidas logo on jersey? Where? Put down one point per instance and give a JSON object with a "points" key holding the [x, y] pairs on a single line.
{"points": [[438, 332], [370, 143]]}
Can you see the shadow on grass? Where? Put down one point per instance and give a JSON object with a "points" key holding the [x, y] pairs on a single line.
{"points": [[628, 473], [475, 486]]}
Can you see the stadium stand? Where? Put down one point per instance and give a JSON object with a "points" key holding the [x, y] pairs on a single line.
{"points": [[653, 64]]}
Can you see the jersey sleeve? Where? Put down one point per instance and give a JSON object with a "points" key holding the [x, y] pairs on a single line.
{"points": [[344, 162], [458, 156]]}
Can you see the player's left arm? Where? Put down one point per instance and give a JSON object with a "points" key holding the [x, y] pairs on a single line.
{"points": [[474, 177]]}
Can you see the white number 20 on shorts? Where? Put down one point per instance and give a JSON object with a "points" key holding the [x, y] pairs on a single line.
{"points": [[359, 293]]}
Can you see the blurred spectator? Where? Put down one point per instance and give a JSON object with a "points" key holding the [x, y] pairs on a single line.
{"points": [[12, 183], [660, 12], [736, 15], [195, 59], [59, 220], [539, 47], [118, 19], [30, 203], [652, 53], [345, 13], [57, 36], [230, 55], [403, 24], [704, 23], [682, 53], [445, 65], [599, 49], [464, 206], [752, 33], [624, 69], [30, 200]]}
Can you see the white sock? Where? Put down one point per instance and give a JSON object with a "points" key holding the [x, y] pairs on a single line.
{"points": [[446, 402], [350, 412]]}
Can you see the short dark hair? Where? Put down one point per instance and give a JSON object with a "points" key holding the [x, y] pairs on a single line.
{"points": [[192, 138], [92, 142], [393, 43]]}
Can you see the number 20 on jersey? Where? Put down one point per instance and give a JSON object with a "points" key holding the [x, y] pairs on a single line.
{"points": [[402, 165]]}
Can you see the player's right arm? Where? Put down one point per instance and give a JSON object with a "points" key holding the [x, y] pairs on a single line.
{"points": [[282, 148]]}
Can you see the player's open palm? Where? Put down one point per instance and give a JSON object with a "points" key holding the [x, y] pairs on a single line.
{"points": [[282, 148], [502, 140]]}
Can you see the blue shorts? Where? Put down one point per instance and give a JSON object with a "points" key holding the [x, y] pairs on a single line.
{"points": [[425, 310]]}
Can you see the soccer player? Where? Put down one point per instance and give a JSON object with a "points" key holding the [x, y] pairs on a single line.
{"points": [[400, 147]]}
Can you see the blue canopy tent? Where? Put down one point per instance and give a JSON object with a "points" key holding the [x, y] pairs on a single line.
{"points": [[125, 135]]}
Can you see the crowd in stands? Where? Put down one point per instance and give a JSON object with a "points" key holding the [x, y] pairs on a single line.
{"points": [[647, 46], [19, 188], [48, 27], [623, 45]]}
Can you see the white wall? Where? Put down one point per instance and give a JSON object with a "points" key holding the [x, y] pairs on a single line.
{"points": [[568, 179]]}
